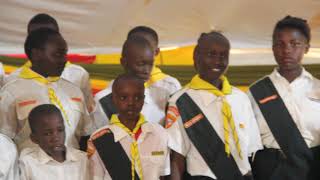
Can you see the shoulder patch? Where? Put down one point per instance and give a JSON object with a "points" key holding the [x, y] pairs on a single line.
{"points": [[91, 149], [172, 116]]}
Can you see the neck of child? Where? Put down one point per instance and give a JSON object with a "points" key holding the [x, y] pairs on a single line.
{"points": [[38, 70], [217, 83], [290, 74], [129, 122], [59, 156]]}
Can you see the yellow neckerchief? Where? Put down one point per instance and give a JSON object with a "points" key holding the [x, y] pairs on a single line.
{"points": [[156, 75], [199, 84], [27, 73], [134, 150]]}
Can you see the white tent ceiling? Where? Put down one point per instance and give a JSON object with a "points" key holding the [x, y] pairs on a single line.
{"points": [[100, 26]]}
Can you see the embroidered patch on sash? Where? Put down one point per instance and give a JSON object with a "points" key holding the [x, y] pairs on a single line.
{"points": [[267, 99], [193, 120], [76, 99], [25, 103], [157, 153]]}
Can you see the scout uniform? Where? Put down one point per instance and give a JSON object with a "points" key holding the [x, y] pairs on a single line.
{"points": [[291, 129], [158, 90], [8, 158], [73, 73], [20, 96], [216, 129], [35, 164], [117, 153]]}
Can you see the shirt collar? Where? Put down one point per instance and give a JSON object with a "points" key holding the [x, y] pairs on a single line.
{"points": [[44, 158], [304, 74], [120, 133]]}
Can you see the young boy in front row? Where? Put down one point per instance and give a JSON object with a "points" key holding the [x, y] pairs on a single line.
{"points": [[211, 123], [51, 160], [130, 147]]}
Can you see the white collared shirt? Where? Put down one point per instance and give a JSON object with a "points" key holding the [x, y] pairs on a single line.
{"points": [[211, 106], [156, 98], [9, 159], [153, 151], [20, 96], [73, 73], [35, 164], [302, 99]]}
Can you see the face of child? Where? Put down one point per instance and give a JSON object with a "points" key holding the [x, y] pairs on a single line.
{"points": [[289, 47], [138, 61], [50, 134], [52, 58], [128, 97], [150, 39], [33, 27], [211, 59]]}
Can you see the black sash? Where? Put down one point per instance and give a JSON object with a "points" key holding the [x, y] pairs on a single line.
{"points": [[207, 141], [282, 126], [108, 106], [114, 157]]}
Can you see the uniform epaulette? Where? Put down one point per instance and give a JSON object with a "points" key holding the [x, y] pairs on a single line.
{"points": [[91, 148]]}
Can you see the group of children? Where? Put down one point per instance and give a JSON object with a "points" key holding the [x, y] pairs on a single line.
{"points": [[144, 125]]}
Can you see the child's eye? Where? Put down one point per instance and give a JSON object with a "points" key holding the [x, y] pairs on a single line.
{"points": [[48, 133], [122, 98]]}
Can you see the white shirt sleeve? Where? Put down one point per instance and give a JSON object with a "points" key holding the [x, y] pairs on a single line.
{"points": [[8, 116], [255, 142], [178, 140], [8, 159]]}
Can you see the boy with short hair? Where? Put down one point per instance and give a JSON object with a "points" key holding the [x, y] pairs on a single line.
{"points": [[211, 123], [72, 72], [158, 80], [41, 84], [51, 159], [159, 86], [130, 147]]}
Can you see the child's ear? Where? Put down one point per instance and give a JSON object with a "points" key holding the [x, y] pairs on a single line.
{"points": [[307, 49], [34, 138], [157, 51], [124, 62]]}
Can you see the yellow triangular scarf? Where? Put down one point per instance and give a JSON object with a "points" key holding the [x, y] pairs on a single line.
{"points": [[199, 84], [134, 150], [27, 73], [156, 75]]}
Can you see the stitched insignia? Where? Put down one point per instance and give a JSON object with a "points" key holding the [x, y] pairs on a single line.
{"points": [[25, 103], [157, 153], [174, 110], [267, 99], [241, 125], [170, 119], [193, 120], [76, 99]]}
